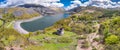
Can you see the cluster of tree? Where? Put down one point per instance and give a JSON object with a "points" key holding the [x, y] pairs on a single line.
{"points": [[110, 29]]}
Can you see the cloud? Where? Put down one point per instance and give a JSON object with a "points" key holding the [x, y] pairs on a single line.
{"points": [[101, 0], [74, 4], [56, 3], [97, 3], [41, 2]]}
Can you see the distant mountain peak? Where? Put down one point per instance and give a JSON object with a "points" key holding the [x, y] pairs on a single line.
{"points": [[30, 5]]}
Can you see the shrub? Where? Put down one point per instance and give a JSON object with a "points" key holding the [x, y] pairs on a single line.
{"points": [[112, 47], [94, 48], [81, 37], [1, 48], [96, 39], [67, 28], [112, 39], [85, 45]]}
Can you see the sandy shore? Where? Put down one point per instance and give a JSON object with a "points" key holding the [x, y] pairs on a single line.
{"points": [[18, 27]]}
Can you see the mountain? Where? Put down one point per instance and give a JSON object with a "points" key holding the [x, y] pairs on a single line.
{"points": [[118, 8], [19, 12], [30, 10], [43, 10], [81, 8], [58, 9]]}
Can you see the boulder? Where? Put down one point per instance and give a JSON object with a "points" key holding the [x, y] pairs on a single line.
{"points": [[60, 31]]}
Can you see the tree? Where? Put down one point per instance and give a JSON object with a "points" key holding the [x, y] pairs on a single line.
{"points": [[112, 39]]}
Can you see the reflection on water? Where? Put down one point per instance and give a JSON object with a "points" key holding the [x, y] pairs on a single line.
{"points": [[40, 24]]}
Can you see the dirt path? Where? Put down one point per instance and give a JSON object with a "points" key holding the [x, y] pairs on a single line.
{"points": [[89, 38]]}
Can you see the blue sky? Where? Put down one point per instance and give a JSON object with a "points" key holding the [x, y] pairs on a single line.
{"points": [[68, 2], [63, 3], [115, 0], [1, 0]]}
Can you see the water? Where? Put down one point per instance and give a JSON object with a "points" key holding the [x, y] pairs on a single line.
{"points": [[42, 23]]}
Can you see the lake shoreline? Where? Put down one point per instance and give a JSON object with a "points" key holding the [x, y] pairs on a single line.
{"points": [[17, 24]]}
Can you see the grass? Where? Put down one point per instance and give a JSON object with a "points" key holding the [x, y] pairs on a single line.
{"points": [[50, 35], [9, 24], [1, 22], [46, 46], [52, 43]]}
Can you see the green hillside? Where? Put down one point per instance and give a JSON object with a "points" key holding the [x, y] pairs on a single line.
{"points": [[89, 28]]}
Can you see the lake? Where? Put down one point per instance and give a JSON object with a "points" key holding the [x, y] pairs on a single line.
{"points": [[42, 23]]}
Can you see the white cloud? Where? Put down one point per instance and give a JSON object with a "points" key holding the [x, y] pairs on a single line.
{"points": [[74, 4], [41, 2], [97, 3], [56, 3], [118, 2], [101, 0], [71, 6]]}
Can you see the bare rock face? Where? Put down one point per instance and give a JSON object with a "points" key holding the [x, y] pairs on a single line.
{"points": [[18, 13], [21, 12], [30, 11]]}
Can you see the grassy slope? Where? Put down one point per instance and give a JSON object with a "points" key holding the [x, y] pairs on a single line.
{"points": [[51, 44], [7, 33], [25, 14]]}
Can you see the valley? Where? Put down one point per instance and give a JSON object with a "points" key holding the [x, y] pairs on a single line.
{"points": [[35, 27]]}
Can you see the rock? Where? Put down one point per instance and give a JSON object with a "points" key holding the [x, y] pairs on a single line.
{"points": [[60, 31]]}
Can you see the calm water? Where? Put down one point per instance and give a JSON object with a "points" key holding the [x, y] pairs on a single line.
{"points": [[42, 23]]}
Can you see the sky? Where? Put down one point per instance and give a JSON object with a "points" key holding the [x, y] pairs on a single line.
{"points": [[67, 4]]}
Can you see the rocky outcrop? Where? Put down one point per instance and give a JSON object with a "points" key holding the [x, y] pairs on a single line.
{"points": [[18, 13]]}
